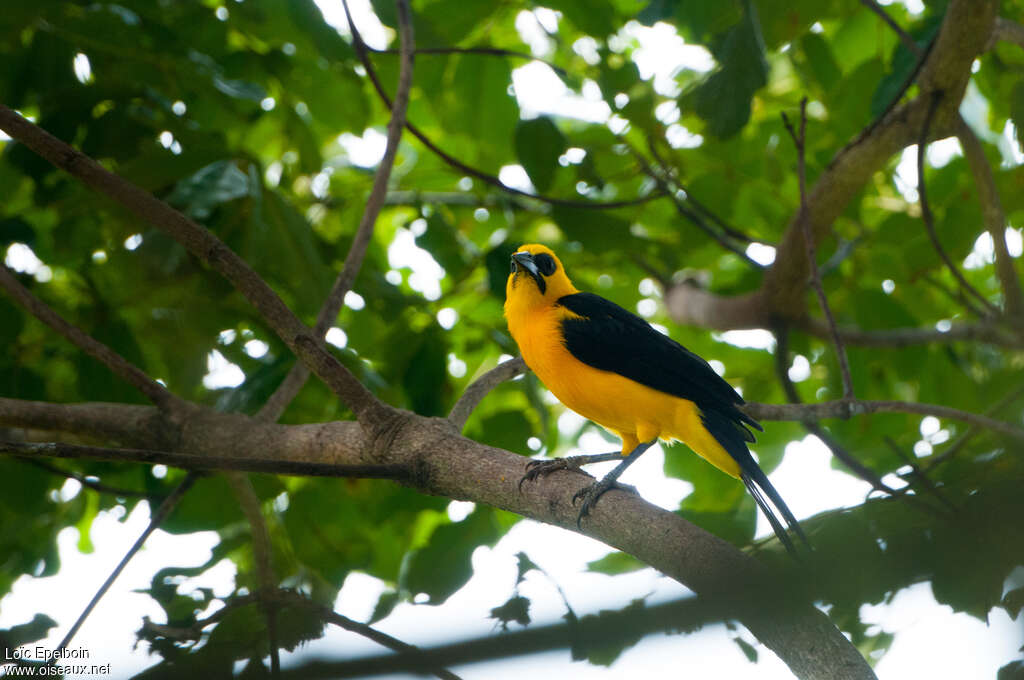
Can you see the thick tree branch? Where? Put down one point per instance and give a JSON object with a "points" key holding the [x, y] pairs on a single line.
{"points": [[449, 465], [299, 373], [966, 27], [211, 250], [995, 221], [480, 387], [118, 365]]}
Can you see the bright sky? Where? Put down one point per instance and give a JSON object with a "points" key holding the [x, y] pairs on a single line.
{"points": [[931, 641]]}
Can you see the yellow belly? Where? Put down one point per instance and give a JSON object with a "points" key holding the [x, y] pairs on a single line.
{"points": [[635, 412]]}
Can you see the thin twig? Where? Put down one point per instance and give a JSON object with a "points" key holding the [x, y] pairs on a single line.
{"points": [[161, 513], [809, 247], [250, 504], [905, 337], [84, 480], [686, 213], [972, 431], [812, 426], [118, 365], [212, 251], [192, 461], [481, 386], [299, 373], [905, 38], [995, 220], [1006, 30], [919, 476], [362, 53], [486, 51], [926, 210], [845, 409]]}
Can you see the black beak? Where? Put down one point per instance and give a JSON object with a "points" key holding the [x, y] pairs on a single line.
{"points": [[525, 260]]}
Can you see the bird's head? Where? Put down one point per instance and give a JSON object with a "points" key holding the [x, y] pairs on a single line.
{"points": [[537, 277]]}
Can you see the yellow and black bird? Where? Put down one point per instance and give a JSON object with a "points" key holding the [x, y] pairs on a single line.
{"points": [[612, 367]]}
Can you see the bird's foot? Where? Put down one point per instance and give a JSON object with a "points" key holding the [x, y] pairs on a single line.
{"points": [[542, 468], [589, 495]]}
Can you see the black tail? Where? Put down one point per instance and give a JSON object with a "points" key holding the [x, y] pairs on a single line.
{"points": [[731, 436]]}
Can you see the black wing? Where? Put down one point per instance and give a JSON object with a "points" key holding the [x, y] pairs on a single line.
{"points": [[613, 339]]}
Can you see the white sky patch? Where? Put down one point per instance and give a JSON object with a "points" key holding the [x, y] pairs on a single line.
{"points": [[913, 6], [905, 176], [528, 24], [23, 260], [941, 152], [256, 348], [133, 242], [761, 253], [83, 69], [679, 137], [221, 373], [374, 33], [983, 253], [456, 366], [426, 272], [447, 317], [539, 91], [354, 300], [515, 176], [337, 337], [800, 370], [365, 151], [756, 338], [1014, 242], [662, 53], [717, 366], [1013, 155]]}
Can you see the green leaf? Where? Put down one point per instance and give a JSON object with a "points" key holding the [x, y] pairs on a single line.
{"points": [[443, 565], [616, 563], [209, 187], [724, 99], [539, 143]]}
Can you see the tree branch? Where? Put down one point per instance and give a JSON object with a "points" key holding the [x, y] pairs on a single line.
{"points": [[447, 464], [299, 373], [93, 484], [211, 250], [995, 220], [841, 409], [812, 261], [1008, 31], [191, 461], [480, 387], [965, 28], [118, 365], [812, 426], [905, 337], [905, 38]]}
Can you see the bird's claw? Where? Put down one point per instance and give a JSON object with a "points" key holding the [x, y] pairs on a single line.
{"points": [[542, 468], [592, 492]]}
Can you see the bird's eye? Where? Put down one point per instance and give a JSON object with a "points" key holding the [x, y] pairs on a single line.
{"points": [[545, 264]]}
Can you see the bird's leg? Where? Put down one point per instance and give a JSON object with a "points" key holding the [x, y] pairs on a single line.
{"points": [[542, 468], [591, 493]]}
